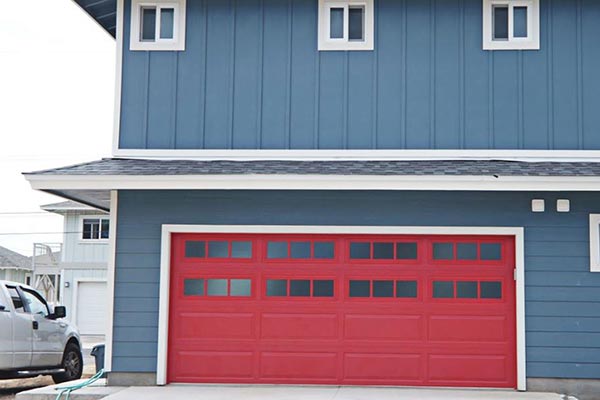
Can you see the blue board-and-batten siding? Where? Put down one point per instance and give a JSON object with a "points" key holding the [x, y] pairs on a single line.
{"points": [[562, 296], [251, 78]]}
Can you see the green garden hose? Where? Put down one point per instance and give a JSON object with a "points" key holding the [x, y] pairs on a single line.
{"points": [[69, 389]]}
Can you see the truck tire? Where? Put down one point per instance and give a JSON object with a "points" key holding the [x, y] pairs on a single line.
{"points": [[72, 363]]}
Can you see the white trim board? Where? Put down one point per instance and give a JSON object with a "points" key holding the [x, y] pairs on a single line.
{"points": [[165, 270], [118, 76], [594, 242], [110, 280], [366, 154], [313, 182]]}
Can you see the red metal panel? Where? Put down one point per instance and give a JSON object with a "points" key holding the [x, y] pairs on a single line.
{"points": [[222, 331]]}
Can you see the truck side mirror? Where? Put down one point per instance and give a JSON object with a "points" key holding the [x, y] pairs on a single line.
{"points": [[59, 312]]}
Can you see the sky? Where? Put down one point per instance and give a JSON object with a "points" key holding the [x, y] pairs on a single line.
{"points": [[56, 108]]}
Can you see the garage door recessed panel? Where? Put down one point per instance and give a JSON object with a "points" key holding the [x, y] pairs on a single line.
{"points": [[290, 365], [216, 325], [377, 367], [391, 327], [299, 326]]}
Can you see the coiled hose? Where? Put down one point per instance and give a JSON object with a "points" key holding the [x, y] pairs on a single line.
{"points": [[66, 390]]}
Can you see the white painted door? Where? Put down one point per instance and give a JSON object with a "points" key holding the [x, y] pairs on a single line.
{"points": [[91, 308]]}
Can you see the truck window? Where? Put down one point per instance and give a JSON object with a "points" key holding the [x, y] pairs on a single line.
{"points": [[35, 304], [16, 299]]}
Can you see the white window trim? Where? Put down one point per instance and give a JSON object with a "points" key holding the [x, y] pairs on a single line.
{"points": [[165, 270], [326, 43], [531, 42], [594, 242], [175, 44], [100, 217]]}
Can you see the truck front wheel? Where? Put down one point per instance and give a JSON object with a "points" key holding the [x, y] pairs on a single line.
{"points": [[72, 363]]}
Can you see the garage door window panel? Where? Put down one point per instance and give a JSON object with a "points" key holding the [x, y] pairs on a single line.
{"points": [[466, 290], [240, 287], [443, 289], [491, 251], [216, 287], [300, 250], [383, 288], [359, 288], [193, 287], [491, 290], [406, 289], [443, 251], [406, 251], [276, 287], [300, 288], [324, 250], [383, 251], [323, 288], [195, 249], [218, 249]]}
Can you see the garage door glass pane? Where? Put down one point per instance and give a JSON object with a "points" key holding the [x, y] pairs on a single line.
{"points": [[323, 250], [195, 249], [360, 250], [241, 249], [276, 287], [300, 288], [466, 290], [406, 251], [300, 250], [443, 251], [277, 250], [218, 249], [360, 288], [406, 289], [323, 288], [217, 287], [193, 287], [383, 288], [491, 251], [491, 290], [443, 290], [383, 251], [240, 287], [466, 251]]}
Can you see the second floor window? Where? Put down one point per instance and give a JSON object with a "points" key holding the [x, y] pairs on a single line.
{"points": [[346, 25], [95, 228], [511, 25], [157, 25]]}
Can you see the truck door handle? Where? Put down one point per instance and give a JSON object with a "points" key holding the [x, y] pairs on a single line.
{"points": [[35, 325]]}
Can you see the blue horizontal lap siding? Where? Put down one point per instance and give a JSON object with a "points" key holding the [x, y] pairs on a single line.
{"points": [[562, 296], [251, 78]]}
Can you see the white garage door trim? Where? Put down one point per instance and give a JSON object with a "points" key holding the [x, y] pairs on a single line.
{"points": [[165, 269], [74, 299]]}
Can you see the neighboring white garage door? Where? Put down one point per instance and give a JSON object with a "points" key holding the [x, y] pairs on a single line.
{"points": [[91, 308]]}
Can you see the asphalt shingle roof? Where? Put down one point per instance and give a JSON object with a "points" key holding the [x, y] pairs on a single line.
{"points": [[11, 259], [120, 166]]}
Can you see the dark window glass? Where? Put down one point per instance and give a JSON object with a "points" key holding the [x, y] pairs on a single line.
{"points": [[466, 290], [406, 288], [167, 20], [218, 249], [491, 290], [241, 249], [500, 21], [356, 23], [276, 287], [383, 251], [323, 250], [16, 299], [466, 251], [443, 251], [300, 249], [360, 288], [148, 29], [336, 23], [520, 22], [406, 251], [104, 229], [195, 249], [277, 250], [217, 287], [35, 303], [443, 289], [491, 251], [193, 287], [300, 287], [323, 288], [383, 288], [360, 250], [240, 287], [91, 229]]}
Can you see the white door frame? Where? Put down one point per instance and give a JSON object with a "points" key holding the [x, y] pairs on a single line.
{"points": [[74, 301], [165, 269]]}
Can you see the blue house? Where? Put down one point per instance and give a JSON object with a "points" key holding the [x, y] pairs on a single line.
{"points": [[351, 192]]}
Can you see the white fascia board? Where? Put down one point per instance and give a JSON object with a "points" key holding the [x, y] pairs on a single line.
{"points": [[367, 154], [313, 182]]}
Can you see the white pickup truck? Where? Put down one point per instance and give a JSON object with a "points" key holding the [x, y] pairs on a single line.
{"points": [[34, 338]]}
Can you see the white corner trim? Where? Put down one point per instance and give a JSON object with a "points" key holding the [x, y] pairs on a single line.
{"points": [[74, 301], [110, 280], [313, 182], [531, 42], [165, 270], [118, 77], [594, 242], [177, 43]]}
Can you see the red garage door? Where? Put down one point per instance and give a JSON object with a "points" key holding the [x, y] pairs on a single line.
{"points": [[343, 309]]}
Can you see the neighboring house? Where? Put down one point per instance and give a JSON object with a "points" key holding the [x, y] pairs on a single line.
{"points": [[74, 273], [14, 266], [390, 192]]}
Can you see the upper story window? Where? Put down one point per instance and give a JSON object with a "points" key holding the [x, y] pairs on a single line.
{"points": [[346, 25], [95, 228], [511, 24], [157, 25]]}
